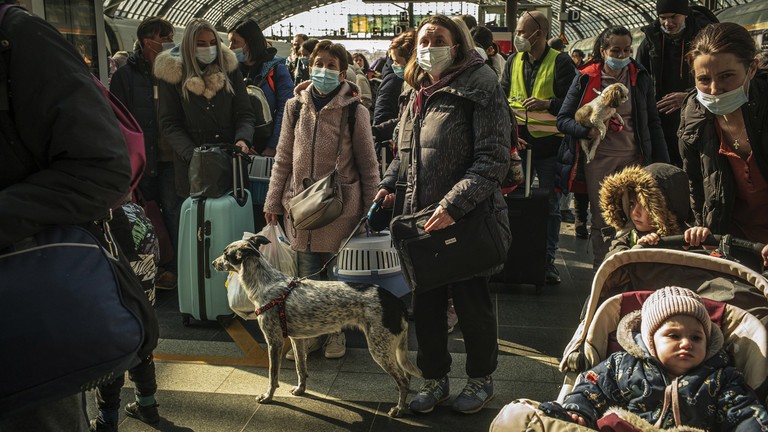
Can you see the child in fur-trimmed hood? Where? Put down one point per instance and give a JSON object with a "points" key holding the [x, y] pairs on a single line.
{"points": [[673, 375], [643, 204]]}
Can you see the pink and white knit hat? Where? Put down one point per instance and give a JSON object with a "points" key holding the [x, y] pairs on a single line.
{"points": [[668, 302]]}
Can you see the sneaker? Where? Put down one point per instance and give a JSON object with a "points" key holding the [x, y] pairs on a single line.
{"points": [[313, 346], [147, 414], [567, 216], [477, 393], [335, 345], [582, 232], [432, 393], [99, 425], [166, 281], [453, 319], [551, 275]]}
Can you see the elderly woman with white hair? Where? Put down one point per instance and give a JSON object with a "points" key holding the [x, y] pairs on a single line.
{"points": [[202, 97]]}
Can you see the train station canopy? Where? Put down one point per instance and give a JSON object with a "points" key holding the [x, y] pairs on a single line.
{"points": [[595, 15]]}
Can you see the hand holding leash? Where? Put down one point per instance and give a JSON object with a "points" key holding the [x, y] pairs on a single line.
{"points": [[388, 198]]}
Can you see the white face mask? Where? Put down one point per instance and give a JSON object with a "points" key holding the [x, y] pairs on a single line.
{"points": [[679, 30], [168, 45], [724, 103], [206, 55], [522, 44], [434, 60]]}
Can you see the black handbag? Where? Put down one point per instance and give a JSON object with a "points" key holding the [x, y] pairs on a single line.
{"points": [[210, 171], [74, 317], [468, 247]]}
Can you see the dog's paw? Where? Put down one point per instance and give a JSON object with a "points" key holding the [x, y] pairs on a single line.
{"points": [[264, 398], [396, 411], [298, 390]]}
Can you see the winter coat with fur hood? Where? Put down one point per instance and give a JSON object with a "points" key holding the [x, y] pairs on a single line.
{"points": [[210, 115], [308, 148], [712, 396], [662, 190]]}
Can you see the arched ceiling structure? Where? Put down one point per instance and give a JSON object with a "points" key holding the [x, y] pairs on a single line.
{"points": [[595, 14]]}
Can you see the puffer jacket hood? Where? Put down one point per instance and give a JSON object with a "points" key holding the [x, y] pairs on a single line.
{"points": [[169, 67], [662, 190], [628, 336]]}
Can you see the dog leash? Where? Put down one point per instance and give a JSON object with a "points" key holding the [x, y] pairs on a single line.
{"points": [[280, 301], [349, 238]]}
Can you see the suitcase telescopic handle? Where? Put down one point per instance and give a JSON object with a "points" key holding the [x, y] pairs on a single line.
{"points": [[238, 177], [528, 159]]}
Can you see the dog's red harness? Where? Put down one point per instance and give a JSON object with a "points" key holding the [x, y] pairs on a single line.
{"points": [[280, 301]]}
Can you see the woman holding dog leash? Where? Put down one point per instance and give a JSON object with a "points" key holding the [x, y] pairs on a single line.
{"points": [[458, 153], [640, 140], [314, 140]]}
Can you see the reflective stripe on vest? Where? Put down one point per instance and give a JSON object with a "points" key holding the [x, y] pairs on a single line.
{"points": [[539, 123]]}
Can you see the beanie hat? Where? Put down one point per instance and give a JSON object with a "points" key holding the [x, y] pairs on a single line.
{"points": [[672, 6], [668, 302]]}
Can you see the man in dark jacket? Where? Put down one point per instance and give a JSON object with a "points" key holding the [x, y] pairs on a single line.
{"points": [[536, 80], [136, 87], [662, 53], [69, 164]]}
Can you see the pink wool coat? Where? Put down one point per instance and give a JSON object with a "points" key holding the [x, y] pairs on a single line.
{"points": [[318, 134]]}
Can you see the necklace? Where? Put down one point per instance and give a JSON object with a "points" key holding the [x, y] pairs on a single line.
{"points": [[736, 143]]}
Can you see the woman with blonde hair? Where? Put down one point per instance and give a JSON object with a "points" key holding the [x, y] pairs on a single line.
{"points": [[202, 97]]}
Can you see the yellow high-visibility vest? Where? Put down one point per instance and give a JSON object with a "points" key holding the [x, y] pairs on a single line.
{"points": [[539, 123]]}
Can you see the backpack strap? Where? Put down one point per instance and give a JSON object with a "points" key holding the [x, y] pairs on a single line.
{"points": [[352, 117], [296, 112]]}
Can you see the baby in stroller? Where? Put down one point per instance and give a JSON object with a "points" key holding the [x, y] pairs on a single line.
{"points": [[641, 204], [673, 372]]}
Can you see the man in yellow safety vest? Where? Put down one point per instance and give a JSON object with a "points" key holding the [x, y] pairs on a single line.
{"points": [[536, 79]]}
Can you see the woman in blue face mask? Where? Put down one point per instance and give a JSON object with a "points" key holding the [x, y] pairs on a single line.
{"points": [[261, 66], [202, 98], [386, 108], [723, 134], [639, 141], [315, 140]]}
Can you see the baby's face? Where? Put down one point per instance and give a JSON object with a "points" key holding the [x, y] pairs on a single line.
{"points": [[680, 344]]}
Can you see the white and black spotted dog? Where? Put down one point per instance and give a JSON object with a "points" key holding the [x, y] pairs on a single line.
{"points": [[314, 308], [597, 112]]}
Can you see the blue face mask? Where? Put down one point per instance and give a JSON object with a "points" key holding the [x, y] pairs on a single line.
{"points": [[617, 64], [241, 56], [325, 80], [398, 70]]}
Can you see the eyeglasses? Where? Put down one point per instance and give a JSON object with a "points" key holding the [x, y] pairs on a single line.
{"points": [[534, 19]]}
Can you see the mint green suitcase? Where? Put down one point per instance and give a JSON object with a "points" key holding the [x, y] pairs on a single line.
{"points": [[206, 227]]}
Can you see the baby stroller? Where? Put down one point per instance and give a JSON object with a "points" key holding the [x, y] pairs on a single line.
{"points": [[740, 296]]}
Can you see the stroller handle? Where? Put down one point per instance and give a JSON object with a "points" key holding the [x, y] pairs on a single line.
{"points": [[726, 243]]}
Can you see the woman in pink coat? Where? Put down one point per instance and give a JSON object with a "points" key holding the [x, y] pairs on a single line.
{"points": [[308, 148]]}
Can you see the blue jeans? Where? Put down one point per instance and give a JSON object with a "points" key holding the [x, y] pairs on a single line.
{"points": [[308, 263], [546, 170], [162, 189]]}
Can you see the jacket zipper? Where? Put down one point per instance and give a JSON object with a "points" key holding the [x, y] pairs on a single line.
{"points": [[312, 168]]}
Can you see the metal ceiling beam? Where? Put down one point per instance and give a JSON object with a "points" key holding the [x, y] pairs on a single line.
{"points": [[166, 8], [111, 6]]}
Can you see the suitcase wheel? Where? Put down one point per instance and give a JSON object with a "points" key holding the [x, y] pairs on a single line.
{"points": [[185, 319], [225, 320]]}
